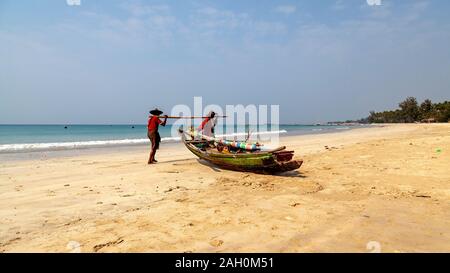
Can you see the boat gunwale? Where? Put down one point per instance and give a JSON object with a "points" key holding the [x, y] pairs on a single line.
{"points": [[258, 154], [232, 155]]}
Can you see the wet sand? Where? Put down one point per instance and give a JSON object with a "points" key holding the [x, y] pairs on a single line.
{"points": [[385, 188]]}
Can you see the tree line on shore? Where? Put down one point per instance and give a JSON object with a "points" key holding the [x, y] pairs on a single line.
{"points": [[410, 111]]}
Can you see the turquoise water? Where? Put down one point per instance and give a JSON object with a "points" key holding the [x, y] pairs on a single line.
{"points": [[15, 138], [16, 134]]}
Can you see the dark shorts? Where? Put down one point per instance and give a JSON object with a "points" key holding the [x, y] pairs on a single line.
{"points": [[155, 139]]}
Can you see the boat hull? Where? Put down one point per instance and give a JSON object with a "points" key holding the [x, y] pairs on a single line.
{"points": [[259, 162]]}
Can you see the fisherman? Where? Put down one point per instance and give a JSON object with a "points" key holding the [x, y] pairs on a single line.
{"points": [[153, 134], [208, 124]]}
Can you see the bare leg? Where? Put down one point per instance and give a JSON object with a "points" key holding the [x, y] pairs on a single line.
{"points": [[150, 161], [154, 147], [152, 156]]}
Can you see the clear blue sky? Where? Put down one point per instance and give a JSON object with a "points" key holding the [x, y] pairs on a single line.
{"points": [[111, 61]]}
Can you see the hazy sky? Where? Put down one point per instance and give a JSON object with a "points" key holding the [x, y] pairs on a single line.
{"points": [[111, 61]]}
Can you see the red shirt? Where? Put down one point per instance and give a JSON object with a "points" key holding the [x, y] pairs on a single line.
{"points": [[203, 123], [153, 123]]}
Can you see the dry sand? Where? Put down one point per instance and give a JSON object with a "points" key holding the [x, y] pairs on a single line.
{"points": [[388, 185]]}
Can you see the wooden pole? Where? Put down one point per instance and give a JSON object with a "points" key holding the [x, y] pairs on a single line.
{"points": [[177, 117]]}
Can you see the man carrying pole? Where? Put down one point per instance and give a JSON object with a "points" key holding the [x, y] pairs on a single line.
{"points": [[153, 134], [207, 128]]}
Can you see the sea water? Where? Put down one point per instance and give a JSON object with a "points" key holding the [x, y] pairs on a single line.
{"points": [[23, 138]]}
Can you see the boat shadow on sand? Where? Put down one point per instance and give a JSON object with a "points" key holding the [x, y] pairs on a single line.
{"points": [[291, 174], [215, 168]]}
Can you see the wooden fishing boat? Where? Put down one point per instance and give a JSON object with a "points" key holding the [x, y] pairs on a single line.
{"points": [[272, 161]]}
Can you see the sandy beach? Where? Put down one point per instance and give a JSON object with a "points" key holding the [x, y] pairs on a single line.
{"points": [[385, 188]]}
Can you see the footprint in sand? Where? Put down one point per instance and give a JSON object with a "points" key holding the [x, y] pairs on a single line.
{"points": [[135, 209], [216, 243], [51, 193], [73, 222], [175, 188], [127, 195], [243, 220]]}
